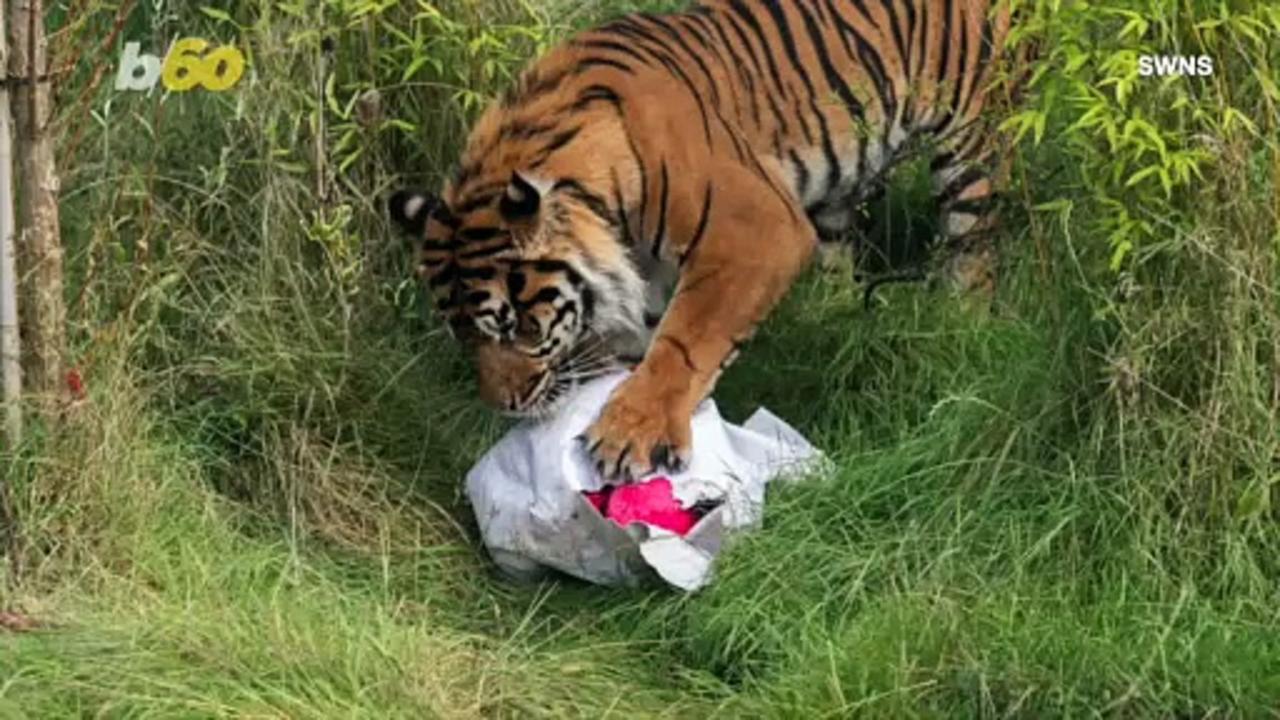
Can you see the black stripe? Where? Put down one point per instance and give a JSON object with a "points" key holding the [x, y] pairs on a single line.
{"points": [[440, 246], [445, 276], [476, 202], [635, 154], [485, 313], [474, 253], [910, 45], [778, 15], [445, 217], [778, 115], [789, 44], [561, 139], [616, 101], [739, 65], [596, 204], [531, 86], [695, 56], [663, 56], [787, 200], [689, 284], [596, 93], [962, 70], [985, 43], [478, 234], [702, 227], [802, 171], [924, 40], [745, 14], [588, 63], [662, 213], [916, 53], [515, 285], [486, 272], [615, 47], [684, 351], [941, 160], [898, 40], [970, 145], [561, 312], [547, 265], [690, 23], [644, 185], [624, 222], [972, 206], [523, 130], [988, 42], [834, 81], [544, 295], [945, 42], [557, 142], [822, 15], [872, 62], [712, 85], [966, 178]]}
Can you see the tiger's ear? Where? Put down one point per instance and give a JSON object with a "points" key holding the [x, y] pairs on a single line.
{"points": [[521, 200], [410, 208]]}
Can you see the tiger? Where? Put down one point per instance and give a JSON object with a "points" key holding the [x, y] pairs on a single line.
{"points": [[646, 192]]}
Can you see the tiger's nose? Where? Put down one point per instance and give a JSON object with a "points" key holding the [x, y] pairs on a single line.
{"points": [[503, 373]]}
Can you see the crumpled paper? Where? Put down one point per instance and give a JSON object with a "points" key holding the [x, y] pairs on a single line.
{"points": [[526, 492]]}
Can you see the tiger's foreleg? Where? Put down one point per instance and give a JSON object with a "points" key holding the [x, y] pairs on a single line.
{"points": [[739, 243]]}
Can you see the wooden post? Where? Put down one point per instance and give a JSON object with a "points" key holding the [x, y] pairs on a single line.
{"points": [[39, 242], [10, 343], [10, 347]]}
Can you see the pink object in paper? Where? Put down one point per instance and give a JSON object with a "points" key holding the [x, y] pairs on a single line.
{"points": [[651, 502]]}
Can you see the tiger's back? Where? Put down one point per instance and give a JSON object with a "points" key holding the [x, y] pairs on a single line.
{"points": [[825, 93]]}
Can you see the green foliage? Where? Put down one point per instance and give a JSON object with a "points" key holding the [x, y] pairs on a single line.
{"points": [[1143, 144]]}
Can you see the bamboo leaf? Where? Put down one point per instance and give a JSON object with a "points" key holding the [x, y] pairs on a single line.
{"points": [[219, 15], [1142, 175]]}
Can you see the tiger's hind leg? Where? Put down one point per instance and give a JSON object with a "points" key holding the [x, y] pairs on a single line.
{"points": [[844, 232], [966, 176], [835, 254]]}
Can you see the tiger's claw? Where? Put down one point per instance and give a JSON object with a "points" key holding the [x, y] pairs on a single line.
{"points": [[637, 436]]}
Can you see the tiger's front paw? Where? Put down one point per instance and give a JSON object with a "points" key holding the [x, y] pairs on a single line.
{"points": [[638, 433]]}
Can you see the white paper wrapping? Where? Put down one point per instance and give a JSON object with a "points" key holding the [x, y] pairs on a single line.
{"points": [[526, 492]]}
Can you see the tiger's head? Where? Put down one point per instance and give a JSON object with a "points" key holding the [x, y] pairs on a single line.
{"points": [[530, 281]]}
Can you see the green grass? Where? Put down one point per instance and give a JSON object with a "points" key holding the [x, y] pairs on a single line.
{"points": [[1063, 510]]}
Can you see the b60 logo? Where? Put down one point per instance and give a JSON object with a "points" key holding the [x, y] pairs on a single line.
{"points": [[188, 64]]}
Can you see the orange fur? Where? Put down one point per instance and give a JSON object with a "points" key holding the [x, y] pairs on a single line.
{"points": [[685, 167]]}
